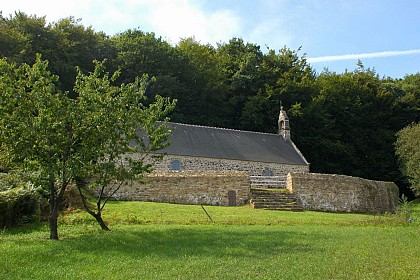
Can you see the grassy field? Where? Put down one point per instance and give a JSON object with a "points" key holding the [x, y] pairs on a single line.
{"points": [[164, 241]]}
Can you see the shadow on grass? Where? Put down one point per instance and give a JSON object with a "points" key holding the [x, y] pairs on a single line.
{"points": [[176, 241], [24, 228]]}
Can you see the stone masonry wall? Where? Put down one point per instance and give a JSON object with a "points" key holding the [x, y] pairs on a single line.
{"points": [[212, 164], [190, 187], [339, 193]]}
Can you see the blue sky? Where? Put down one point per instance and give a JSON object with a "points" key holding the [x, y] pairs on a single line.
{"points": [[384, 34]]}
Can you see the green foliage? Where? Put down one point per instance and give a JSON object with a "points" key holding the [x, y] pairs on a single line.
{"points": [[345, 128], [343, 123], [19, 206], [112, 123], [8, 181], [404, 210], [30, 104], [61, 139], [36, 128], [408, 150], [139, 53], [65, 44]]}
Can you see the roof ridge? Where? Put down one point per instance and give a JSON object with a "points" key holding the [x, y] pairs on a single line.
{"points": [[222, 128]]}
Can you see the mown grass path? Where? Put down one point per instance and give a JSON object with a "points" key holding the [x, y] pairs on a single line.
{"points": [[163, 241]]}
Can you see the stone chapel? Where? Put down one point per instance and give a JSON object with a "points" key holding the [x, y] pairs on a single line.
{"points": [[218, 166], [202, 148]]}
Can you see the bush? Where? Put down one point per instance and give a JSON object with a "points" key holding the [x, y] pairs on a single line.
{"points": [[19, 206], [8, 181]]}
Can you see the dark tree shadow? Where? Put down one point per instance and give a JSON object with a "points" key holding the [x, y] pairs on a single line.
{"points": [[178, 241]]}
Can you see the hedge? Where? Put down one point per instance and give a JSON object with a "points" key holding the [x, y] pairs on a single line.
{"points": [[19, 206]]}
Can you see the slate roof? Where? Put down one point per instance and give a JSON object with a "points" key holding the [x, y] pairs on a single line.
{"points": [[211, 142]]}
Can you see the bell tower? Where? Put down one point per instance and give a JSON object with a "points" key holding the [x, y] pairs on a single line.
{"points": [[284, 128]]}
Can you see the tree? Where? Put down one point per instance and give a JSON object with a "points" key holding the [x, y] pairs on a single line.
{"points": [[65, 44], [23, 36], [407, 148], [62, 139], [75, 46], [117, 126], [35, 126], [141, 53], [284, 77], [203, 102], [346, 128], [239, 64]]}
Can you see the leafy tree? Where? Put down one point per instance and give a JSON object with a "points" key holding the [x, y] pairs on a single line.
{"points": [[76, 46], [239, 63], [239, 66], [260, 113], [349, 127], [12, 42], [204, 101], [408, 150], [140, 53], [120, 132], [408, 101], [284, 77], [61, 139], [357, 140], [23, 36], [65, 44], [35, 125]]}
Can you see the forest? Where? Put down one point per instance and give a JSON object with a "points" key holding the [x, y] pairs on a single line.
{"points": [[344, 123]]}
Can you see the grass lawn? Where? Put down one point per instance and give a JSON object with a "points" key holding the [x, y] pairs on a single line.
{"points": [[164, 241]]}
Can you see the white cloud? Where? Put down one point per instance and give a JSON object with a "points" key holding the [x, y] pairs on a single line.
{"points": [[222, 26], [271, 33], [361, 55], [53, 10], [172, 19], [180, 19]]}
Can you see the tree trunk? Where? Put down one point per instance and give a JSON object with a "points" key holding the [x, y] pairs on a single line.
{"points": [[100, 221], [98, 215], [53, 216], [55, 204], [53, 219]]}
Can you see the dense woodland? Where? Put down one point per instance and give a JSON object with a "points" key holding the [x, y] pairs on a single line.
{"points": [[343, 123]]}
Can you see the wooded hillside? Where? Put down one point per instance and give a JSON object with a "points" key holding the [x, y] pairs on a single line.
{"points": [[343, 123]]}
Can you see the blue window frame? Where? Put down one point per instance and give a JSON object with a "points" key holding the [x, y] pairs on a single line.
{"points": [[267, 172], [175, 165]]}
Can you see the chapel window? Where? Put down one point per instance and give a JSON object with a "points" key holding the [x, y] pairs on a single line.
{"points": [[267, 172], [175, 165]]}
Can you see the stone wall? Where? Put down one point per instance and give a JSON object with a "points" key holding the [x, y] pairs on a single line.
{"points": [[190, 187], [339, 193], [212, 164]]}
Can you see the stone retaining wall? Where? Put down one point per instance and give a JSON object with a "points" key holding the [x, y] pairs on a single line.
{"points": [[339, 193], [190, 187]]}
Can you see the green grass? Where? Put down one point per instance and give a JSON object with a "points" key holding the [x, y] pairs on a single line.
{"points": [[165, 241]]}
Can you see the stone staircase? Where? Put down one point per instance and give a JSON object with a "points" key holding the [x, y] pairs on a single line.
{"points": [[274, 199]]}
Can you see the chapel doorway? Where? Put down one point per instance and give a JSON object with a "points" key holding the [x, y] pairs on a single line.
{"points": [[232, 198]]}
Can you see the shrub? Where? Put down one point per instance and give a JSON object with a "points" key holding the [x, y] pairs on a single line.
{"points": [[18, 206], [8, 181]]}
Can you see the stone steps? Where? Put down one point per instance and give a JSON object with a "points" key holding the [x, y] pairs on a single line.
{"points": [[274, 199]]}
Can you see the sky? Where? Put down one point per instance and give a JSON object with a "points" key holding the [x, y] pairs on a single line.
{"points": [[333, 34]]}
